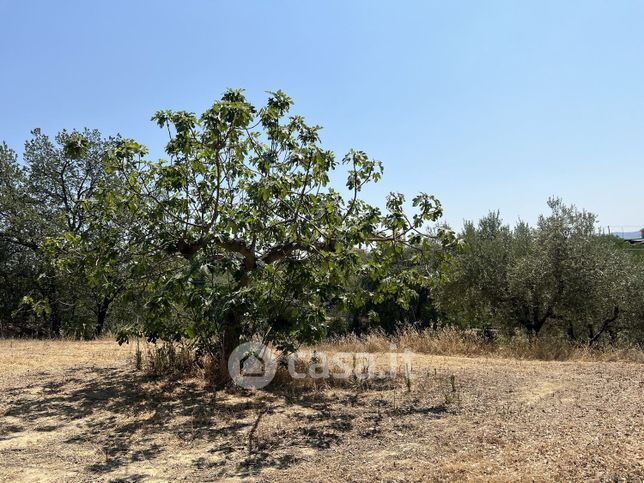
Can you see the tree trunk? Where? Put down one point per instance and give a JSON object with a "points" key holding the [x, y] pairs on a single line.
{"points": [[571, 332], [55, 321], [101, 316], [50, 293], [230, 336], [605, 325]]}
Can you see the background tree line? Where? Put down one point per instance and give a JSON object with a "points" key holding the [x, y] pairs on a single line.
{"points": [[238, 232]]}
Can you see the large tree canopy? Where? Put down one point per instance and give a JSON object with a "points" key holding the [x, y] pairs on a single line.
{"points": [[251, 235]]}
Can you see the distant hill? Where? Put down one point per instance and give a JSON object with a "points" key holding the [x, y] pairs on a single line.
{"points": [[628, 235]]}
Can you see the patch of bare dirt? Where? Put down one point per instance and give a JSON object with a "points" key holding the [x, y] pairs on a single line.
{"points": [[82, 413]]}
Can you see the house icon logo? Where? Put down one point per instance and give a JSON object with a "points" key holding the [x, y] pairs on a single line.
{"points": [[252, 365]]}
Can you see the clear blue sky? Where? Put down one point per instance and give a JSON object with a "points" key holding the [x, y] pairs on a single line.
{"points": [[487, 104]]}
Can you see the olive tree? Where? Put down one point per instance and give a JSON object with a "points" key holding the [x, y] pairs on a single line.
{"points": [[474, 290], [16, 263], [44, 201], [560, 275]]}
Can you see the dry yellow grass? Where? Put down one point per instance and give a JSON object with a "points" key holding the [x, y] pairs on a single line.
{"points": [[78, 411], [18, 355], [455, 342]]}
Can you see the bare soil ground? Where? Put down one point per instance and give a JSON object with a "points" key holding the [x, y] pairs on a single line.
{"points": [[78, 411]]}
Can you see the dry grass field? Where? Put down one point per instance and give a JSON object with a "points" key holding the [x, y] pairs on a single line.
{"points": [[79, 411]]}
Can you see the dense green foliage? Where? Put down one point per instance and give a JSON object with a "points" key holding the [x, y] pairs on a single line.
{"points": [[254, 239], [239, 232], [236, 233], [44, 200], [560, 277]]}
